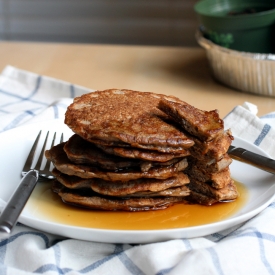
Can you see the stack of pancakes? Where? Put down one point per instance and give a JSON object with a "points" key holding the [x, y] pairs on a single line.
{"points": [[132, 151]]}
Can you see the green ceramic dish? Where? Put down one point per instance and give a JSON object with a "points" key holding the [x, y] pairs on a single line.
{"points": [[243, 25]]}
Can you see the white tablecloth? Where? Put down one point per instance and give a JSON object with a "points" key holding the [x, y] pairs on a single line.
{"points": [[246, 249]]}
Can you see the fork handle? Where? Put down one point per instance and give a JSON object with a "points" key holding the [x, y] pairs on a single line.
{"points": [[17, 202]]}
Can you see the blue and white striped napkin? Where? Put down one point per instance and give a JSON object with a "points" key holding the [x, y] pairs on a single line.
{"points": [[244, 123], [28, 97], [246, 249]]}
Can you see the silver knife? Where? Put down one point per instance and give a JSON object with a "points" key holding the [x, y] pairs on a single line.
{"points": [[14, 206], [251, 158]]}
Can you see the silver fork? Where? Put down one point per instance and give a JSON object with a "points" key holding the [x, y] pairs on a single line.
{"points": [[31, 175]]}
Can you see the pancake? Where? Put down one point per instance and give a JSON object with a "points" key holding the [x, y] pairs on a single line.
{"points": [[181, 191], [213, 149], [211, 165], [135, 153], [199, 198], [162, 149], [60, 160], [129, 118], [229, 192], [91, 200], [217, 180], [121, 188], [81, 151]]}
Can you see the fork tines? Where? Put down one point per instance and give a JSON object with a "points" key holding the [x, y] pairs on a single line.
{"points": [[30, 162]]}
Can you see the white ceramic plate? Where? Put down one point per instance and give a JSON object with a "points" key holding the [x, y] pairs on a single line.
{"points": [[16, 143]]}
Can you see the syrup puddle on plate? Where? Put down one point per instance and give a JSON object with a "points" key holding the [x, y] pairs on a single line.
{"points": [[46, 205]]}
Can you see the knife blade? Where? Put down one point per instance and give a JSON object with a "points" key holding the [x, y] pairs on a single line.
{"points": [[259, 161], [16, 203]]}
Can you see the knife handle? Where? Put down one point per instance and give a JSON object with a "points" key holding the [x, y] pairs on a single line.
{"points": [[254, 159], [16, 203]]}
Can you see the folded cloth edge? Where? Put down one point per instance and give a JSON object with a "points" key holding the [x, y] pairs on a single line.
{"points": [[246, 125]]}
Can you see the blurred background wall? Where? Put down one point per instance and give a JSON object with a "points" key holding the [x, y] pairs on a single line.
{"points": [[145, 22]]}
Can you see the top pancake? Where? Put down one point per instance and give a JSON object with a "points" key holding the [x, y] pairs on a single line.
{"points": [[124, 118]]}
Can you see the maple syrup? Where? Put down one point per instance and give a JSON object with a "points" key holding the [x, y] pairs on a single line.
{"points": [[46, 205]]}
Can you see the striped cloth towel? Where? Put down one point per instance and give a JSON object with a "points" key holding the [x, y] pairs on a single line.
{"points": [[245, 249]]}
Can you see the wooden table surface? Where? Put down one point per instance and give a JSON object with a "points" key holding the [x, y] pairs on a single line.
{"points": [[183, 72]]}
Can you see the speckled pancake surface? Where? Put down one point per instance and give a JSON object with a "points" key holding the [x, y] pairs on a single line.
{"points": [[124, 117]]}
